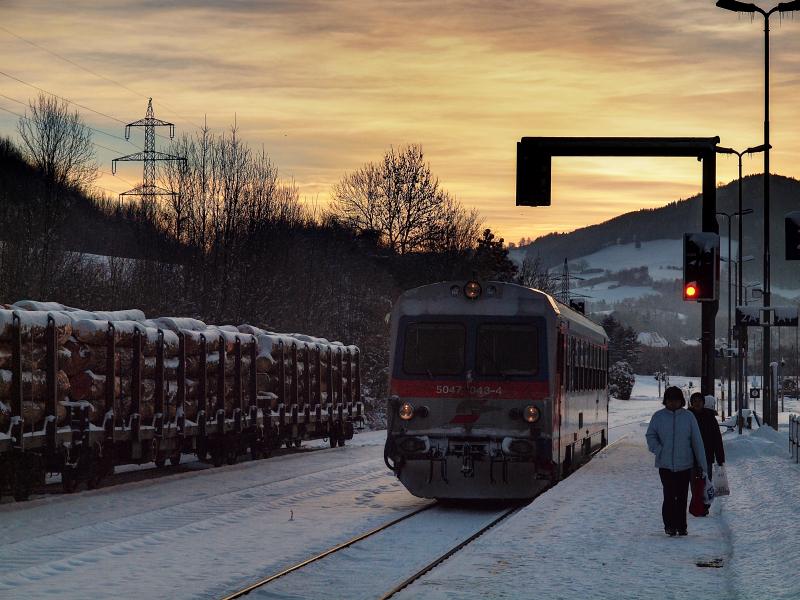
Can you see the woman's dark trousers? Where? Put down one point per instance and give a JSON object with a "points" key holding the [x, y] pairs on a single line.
{"points": [[676, 491]]}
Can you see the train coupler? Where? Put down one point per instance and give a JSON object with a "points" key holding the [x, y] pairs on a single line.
{"points": [[467, 462]]}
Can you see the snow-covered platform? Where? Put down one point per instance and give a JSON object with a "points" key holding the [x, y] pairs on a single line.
{"points": [[599, 534]]}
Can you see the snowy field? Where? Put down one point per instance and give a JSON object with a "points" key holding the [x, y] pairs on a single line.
{"points": [[598, 534]]}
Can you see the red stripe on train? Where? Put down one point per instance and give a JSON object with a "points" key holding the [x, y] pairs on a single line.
{"points": [[485, 389]]}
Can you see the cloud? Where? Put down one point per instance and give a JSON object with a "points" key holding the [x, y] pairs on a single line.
{"points": [[327, 86]]}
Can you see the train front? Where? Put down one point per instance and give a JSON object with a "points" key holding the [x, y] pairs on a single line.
{"points": [[470, 408]]}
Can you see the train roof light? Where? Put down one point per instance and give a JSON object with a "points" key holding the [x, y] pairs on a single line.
{"points": [[531, 414], [406, 411], [472, 290]]}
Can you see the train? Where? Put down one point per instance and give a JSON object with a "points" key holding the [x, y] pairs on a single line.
{"points": [[82, 392], [497, 391]]}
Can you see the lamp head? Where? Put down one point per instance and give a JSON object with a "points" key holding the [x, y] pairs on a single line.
{"points": [[746, 211], [789, 6], [756, 149], [737, 6], [724, 150]]}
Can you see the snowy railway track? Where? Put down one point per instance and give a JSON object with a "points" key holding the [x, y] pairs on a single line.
{"points": [[428, 536], [133, 473]]}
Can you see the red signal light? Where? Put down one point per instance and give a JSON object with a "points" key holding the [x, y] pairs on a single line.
{"points": [[690, 291]]}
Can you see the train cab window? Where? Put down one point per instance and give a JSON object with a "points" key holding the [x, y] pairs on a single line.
{"points": [[507, 350], [434, 349]]}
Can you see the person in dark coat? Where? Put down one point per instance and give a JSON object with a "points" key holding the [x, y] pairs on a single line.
{"points": [[709, 430], [674, 437]]}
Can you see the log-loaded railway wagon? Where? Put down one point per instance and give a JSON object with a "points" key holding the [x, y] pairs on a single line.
{"points": [[81, 392], [497, 390]]}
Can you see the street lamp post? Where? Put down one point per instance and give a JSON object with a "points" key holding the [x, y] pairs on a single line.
{"points": [[782, 7], [740, 366], [740, 213]]}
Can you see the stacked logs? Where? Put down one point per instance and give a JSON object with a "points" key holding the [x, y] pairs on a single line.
{"points": [[84, 367]]}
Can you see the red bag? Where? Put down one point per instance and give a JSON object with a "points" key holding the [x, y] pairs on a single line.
{"points": [[697, 507]]}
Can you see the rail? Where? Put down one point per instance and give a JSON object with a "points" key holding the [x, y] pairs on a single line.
{"points": [[436, 562], [794, 437], [321, 555]]}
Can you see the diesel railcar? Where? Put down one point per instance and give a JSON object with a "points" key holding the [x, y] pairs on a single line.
{"points": [[496, 390]]}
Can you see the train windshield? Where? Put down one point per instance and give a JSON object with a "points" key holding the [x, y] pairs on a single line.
{"points": [[507, 350], [434, 349]]}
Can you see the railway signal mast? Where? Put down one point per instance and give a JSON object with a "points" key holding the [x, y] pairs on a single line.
{"points": [[534, 156]]}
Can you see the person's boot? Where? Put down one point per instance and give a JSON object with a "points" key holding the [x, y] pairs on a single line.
{"points": [[670, 531]]}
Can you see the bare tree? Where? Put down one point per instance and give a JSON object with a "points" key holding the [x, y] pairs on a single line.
{"points": [[57, 143], [535, 275], [399, 198]]}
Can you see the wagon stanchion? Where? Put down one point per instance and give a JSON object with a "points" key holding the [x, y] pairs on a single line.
{"points": [[180, 403], [202, 400], [330, 399], [134, 415], [238, 397], [17, 421], [159, 455], [221, 450], [294, 395], [51, 401]]}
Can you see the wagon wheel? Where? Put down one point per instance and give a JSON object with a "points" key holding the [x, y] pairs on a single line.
{"points": [[332, 440], [160, 460], [175, 458], [231, 457], [289, 443], [69, 482], [297, 443], [255, 451], [341, 442], [217, 457]]}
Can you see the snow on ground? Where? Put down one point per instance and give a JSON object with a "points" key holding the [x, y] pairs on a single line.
{"points": [[598, 534], [198, 534]]}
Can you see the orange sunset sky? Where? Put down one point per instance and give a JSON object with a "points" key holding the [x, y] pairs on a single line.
{"points": [[325, 86]]}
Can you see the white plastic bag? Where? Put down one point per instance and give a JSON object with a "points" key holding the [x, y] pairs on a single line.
{"points": [[709, 493], [721, 486]]}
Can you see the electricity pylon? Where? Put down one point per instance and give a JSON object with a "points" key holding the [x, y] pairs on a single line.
{"points": [[147, 190]]}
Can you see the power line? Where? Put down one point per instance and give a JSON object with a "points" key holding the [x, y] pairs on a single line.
{"points": [[44, 91], [96, 74], [118, 137], [92, 128]]}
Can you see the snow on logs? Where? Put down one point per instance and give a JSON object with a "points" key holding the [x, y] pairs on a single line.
{"points": [[290, 368]]}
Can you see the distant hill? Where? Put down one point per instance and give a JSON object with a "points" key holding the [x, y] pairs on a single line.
{"points": [[672, 220]]}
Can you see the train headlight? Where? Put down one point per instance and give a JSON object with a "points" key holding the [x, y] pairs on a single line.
{"points": [[406, 411], [472, 290], [531, 414]]}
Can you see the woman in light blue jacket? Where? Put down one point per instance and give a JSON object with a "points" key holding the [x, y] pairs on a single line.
{"points": [[674, 437]]}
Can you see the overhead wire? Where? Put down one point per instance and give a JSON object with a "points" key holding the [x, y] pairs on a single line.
{"points": [[118, 137], [44, 91], [92, 72]]}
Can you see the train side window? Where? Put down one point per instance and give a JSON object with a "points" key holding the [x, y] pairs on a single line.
{"points": [[434, 349], [572, 364]]}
